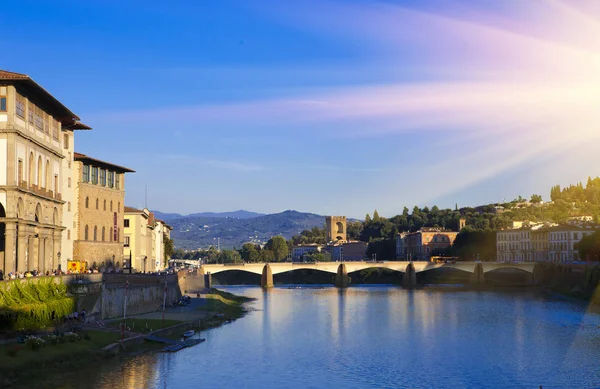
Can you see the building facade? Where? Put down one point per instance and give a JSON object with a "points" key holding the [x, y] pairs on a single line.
{"points": [[100, 197], [299, 251], [422, 244], [540, 243], [162, 231], [335, 229], [32, 123], [140, 240]]}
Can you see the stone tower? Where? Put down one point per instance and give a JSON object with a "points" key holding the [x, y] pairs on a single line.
{"points": [[462, 223], [335, 228]]}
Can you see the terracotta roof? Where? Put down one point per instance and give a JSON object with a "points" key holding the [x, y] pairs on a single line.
{"points": [[131, 209], [96, 162], [75, 125], [41, 96]]}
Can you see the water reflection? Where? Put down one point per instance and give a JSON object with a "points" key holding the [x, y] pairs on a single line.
{"points": [[377, 337]]}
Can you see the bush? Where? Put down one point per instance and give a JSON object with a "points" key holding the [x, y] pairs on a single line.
{"points": [[13, 351], [34, 342], [70, 337], [52, 339]]}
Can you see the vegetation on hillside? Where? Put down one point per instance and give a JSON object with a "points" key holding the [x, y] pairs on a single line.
{"points": [[476, 240]]}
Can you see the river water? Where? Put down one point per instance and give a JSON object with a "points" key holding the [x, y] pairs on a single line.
{"points": [[379, 337]]}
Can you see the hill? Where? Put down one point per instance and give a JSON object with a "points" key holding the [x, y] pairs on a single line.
{"points": [[192, 232], [241, 214]]}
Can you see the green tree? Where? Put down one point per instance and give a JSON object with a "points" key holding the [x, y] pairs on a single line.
{"points": [[367, 219], [536, 199], [589, 247], [249, 252], [376, 218], [266, 255], [279, 247], [167, 249]]}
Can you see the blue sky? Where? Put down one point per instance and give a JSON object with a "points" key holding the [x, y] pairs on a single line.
{"points": [[332, 107]]}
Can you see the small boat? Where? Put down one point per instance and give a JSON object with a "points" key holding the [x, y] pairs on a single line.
{"points": [[188, 333], [173, 347], [192, 342]]}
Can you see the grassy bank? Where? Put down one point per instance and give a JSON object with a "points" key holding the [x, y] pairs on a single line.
{"points": [[19, 360]]}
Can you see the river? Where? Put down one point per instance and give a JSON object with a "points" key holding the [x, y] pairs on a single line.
{"points": [[378, 337]]}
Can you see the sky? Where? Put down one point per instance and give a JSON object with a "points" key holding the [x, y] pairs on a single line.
{"points": [[329, 106]]}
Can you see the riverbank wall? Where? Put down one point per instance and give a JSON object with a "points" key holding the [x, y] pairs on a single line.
{"points": [[581, 281]]}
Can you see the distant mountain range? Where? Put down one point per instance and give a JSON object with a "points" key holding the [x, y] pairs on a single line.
{"points": [[241, 214], [233, 229]]}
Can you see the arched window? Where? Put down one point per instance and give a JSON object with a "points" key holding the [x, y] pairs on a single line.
{"points": [[97, 203], [49, 176], [111, 205], [39, 172], [95, 233], [31, 169], [110, 237], [105, 205], [118, 234], [119, 207], [86, 235], [103, 234], [87, 202]]}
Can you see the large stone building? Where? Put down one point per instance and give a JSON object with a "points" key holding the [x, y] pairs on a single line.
{"points": [[335, 229], [98, 211], [541, 242], [424, 243], [348, 251], [32, 124]]}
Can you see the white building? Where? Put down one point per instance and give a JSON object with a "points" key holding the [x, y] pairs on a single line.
{"points": [[299, 251], [563, 242], [161, 231]]}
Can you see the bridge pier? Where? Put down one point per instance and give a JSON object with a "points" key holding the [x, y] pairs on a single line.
{"points": [[341, 277], [266, 279], [477, 278], [208, 280], [537, 275], [409, 278]]}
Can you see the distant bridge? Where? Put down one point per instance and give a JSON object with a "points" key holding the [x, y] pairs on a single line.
{"points": [[341, 269]]}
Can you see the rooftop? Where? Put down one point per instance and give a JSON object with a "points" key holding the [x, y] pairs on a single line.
{"points": [[103, 164], [40, 96]]}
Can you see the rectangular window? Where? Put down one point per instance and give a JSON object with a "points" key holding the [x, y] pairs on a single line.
{"points": [[94, 175], [126, 223], [86, 174], [56, 183], [3, 107], [126, 242], [69, 206], [46, 124], [69, 182], [20, 106], [111, 179], [102, 177], [54, 129], [117, 179], [66, 141], [30, 113], [38, 119]]}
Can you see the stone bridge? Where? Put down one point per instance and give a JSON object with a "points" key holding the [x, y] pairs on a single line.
{"points": [[341, 269]]}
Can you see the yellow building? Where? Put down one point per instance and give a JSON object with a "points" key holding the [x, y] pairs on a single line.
{"points": [[32, 123], [139, 239], [100, 197]]}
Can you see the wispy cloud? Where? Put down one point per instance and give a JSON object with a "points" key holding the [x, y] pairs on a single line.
{"points": [[518, 88], [218, 164]]}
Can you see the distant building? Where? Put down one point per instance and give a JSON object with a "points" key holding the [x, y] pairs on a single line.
{"points": [[422, 244], [162, 231], [301, 250], [348, 251], [138, 236], [581, 219], [540, 242], [335, 229]]}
